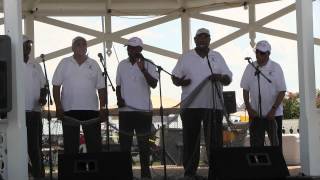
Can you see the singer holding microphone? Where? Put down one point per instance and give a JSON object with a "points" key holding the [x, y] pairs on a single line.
{"points": [[272, 91], [80, 78], [194, 67], [135, 76], [35, 97]]}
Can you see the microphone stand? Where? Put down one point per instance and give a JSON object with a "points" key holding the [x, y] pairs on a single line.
{"points": [[49, 113], [106, 76], [258, 73], [161, 116]]}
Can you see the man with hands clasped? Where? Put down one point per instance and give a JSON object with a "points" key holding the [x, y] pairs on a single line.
{"points": [[272, 95]]}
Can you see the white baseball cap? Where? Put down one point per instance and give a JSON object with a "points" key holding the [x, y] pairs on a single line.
{"points": [[203, 31], [263, 46], [78, 38], [134, 41]]}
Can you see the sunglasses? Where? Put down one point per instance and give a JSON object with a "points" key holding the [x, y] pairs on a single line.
{"points": [[260, 52]]}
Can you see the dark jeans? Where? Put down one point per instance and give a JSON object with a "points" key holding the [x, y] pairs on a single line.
{"points": [[71, 133], [140, 122], [34, 137], [191, 123], [273, 128]]}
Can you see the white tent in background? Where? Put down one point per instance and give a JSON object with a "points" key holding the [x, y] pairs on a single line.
{"points": [[13, 130]]}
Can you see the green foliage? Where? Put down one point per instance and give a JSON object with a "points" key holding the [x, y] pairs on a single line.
{"points": [[291, 106]]}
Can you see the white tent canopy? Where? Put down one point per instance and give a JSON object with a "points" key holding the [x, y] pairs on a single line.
{"points": [[167, 10]]}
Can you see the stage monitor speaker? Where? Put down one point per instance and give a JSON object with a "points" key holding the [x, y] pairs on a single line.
{"points": [[230, 101], [5, 74], [246, 163], [95, 166]]}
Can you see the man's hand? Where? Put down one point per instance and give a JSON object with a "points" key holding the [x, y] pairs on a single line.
{"points": [[103, 114], [42, 101], [215, 77], [59, 113], [180, 81], [120, 102], [252, 113], [271, 113]]}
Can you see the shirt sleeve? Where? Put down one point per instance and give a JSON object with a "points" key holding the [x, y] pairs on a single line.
{"points": [[100, 79], [244, 84], [281, 83], [41, 76], [118, 76], [178, 69], [57, 78], [224, 67], [152, 70]]}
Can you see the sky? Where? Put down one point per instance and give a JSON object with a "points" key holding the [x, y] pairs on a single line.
{"points": [[49, 38]]}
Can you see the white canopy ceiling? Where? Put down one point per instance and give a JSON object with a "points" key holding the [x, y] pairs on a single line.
{"points": [[124, 7]]}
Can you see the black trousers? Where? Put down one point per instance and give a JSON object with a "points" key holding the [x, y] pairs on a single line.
{"points": [[273, 128], [34, 138], [140, 122], [191, 123], [71, 133]]}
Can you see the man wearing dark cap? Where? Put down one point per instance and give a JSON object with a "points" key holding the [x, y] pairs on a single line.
{"points": [[81, 78], [272, 95], [35, 97], [194, 67], [135, 76]]}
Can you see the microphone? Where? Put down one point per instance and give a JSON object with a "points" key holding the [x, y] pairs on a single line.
{"points": [[100, 56], [247, 58], [42, 56]]}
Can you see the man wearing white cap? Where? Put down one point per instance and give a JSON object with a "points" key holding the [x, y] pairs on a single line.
{"points": [[206, 107], [80, 78], [35, 97], [272, 95], [135, 76]]}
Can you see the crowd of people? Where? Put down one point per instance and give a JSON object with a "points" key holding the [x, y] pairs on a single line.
{"points": [[79, 92]]}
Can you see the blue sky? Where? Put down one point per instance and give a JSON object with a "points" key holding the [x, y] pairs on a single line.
{"points": [[49, 38]]}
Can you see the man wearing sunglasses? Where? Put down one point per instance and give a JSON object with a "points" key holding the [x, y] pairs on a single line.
{"points": [[272, 94]]}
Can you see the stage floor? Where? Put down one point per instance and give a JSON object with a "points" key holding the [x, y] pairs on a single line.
{"points": [[175, 172]]}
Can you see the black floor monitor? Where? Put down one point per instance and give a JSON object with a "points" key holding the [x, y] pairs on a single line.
{"points": [[95, 166], [247, 163]]}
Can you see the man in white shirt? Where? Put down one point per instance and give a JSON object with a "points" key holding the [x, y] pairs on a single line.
{"points": [[193, 68], [80, 78], [272, 94], [35, 97], [135, 76]]}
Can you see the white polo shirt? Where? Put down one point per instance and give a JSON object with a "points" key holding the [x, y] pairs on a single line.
{"points": [[34, 80], [196, 68], [134, 87], [79, 83], [269, 91]]}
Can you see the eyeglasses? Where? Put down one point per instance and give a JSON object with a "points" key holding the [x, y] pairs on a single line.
{"points": [[262, 53]]}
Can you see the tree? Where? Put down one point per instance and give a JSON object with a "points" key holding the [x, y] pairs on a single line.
{"points": [[291, 106]]}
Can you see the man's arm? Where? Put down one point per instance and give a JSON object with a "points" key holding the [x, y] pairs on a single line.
{"points": [[152, 82], [103, 97], [180, 81], [120, 100], [276, 104], [224, 79], [57, 100], [103, 103], [252, 113], [43, 95]]}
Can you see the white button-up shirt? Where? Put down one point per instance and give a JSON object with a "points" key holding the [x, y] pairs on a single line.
{"points": [[34, 80], [134, 87], [196, 68], [269, 91], [79, 83]]}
